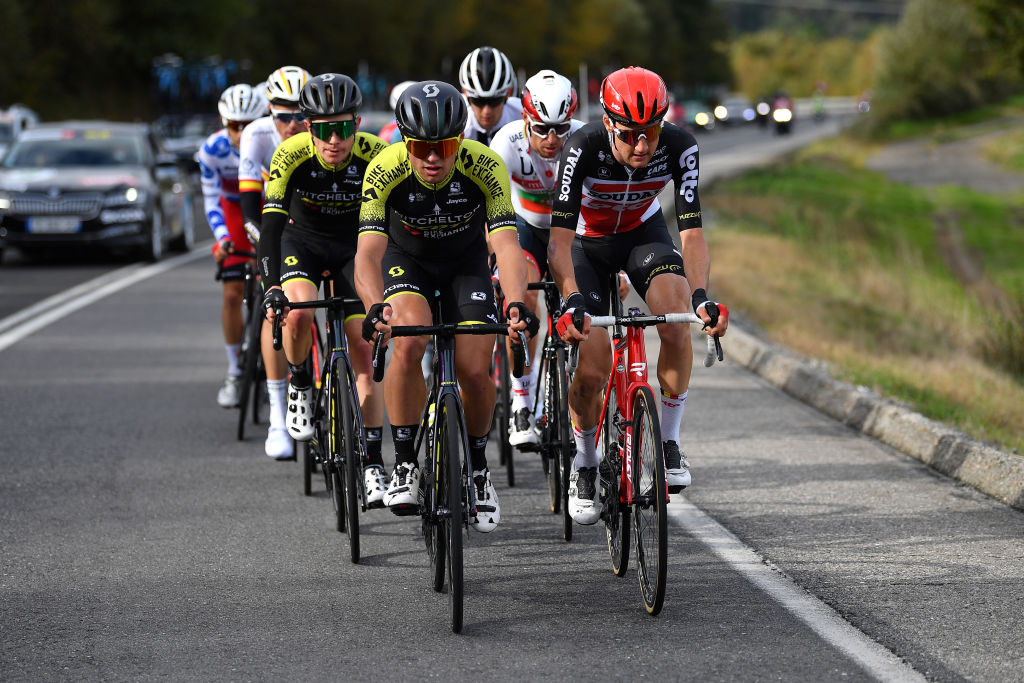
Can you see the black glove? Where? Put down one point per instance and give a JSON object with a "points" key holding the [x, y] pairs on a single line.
{"points": [[574, 312], [275, 299], [525, 314], [373, 316], [700, 298]]}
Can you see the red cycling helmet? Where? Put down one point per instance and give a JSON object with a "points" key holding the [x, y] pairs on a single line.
{"points": [[634, 96]]}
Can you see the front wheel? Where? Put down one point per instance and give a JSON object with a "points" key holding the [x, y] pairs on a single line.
{"points": [[616, 515], [351, 449], [450, 502], [566, 447], [650, 501], [250, 354], [503, 411]]}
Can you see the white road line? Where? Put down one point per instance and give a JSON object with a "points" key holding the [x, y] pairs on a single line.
{"points": [[822, 619], [19, 325]]}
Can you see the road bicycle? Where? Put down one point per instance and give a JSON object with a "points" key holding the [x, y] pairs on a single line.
{"points": [[338, 445], [447, 494], [633, 484]]}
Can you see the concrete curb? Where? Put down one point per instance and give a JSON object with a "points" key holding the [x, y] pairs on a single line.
{"points": [[996, 473]]}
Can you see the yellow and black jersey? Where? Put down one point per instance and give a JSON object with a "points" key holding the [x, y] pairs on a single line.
{"points": [[319, 199], [442, 220]]}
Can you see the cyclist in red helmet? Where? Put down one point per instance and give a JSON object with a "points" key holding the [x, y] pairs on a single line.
{"points": [[606, 218]]}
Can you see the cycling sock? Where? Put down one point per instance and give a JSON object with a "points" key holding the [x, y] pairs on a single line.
{"points": [[300, 376], [672, 406], [478, 452], [277, 391], [404, 437], [586, 448], [232, 351], [373, 441], [521, 392]]}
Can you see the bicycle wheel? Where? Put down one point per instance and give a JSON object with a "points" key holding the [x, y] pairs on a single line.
{"points": [[503, 411], [550, 424], [650, 521], [249, 356], [308, 464], [345, 445], [566, 444], [450, 501], [616, 515]]}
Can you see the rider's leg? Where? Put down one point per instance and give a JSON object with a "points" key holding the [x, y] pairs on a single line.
{"points": [[231, 322], [279, 442], [521, 421], [471, 363], [297, 340]]}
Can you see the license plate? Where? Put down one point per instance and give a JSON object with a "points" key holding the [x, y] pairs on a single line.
{"points": [[53, 224]]}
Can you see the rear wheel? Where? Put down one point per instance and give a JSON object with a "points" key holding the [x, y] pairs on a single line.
{"points": [[451, 499], [250, 355], [650, 500]]}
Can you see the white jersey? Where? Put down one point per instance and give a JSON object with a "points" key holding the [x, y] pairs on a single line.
{"points": [[513, 111], [259, 140], [533, 178], [218, 168]]}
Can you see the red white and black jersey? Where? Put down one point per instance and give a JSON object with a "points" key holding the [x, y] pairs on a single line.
{"points": [[599, 196]]}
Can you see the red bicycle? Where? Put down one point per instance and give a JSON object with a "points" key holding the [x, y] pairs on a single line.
{"points": [[632, 470]]}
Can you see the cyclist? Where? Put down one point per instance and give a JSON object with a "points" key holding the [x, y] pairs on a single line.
{"points": [[530, 148], [606, 217], [259, 141], [218, 160], [488, 82], [390, 133], [421, 230], [309, 232]]}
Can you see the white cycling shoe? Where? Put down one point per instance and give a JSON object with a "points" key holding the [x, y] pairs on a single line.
{"points": [[584, 498], [488, 510], [279, 445], [227, 395], [404, 489], [677, 469], [521, 429], [376, 485], [300, 413]]}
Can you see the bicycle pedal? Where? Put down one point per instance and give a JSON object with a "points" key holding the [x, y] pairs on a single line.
{"points": [[676, 489], [406, 510], [375, 506], [528, 448]]}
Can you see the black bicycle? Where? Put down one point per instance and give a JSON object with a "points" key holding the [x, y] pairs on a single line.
{"points": [[448, 497], [338, 444]]}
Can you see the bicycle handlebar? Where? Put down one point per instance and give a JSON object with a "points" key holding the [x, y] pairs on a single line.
{"points": [[714, 345], [519, 360]]}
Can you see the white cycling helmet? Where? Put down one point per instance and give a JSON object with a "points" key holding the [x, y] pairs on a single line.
{"points": [[397, 91], [486, 72], [549, 97], [285, 84], [242, 103]]}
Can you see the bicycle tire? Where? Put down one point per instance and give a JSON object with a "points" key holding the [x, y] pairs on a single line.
{"points": [[566, 443], [307, 468], [550, 453], [451, 498], [616, 515], [505, 403], [650, 512], [344, 420], [249, 357]]}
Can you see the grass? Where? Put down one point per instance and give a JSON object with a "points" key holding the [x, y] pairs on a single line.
{"points": [[952, 127], [840, 264], [1007, 150]]}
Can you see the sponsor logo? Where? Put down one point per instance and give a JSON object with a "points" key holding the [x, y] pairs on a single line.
{"points": [[647, 259], [638, 369], [352, 170], [664, 268], [455, 187], [291, 261], [395, 271], [692, 214], [603, 172], [478, 296], [571, 160], [492, 317], [660, 168], [595, 296], [431, 90], [688, 160]]}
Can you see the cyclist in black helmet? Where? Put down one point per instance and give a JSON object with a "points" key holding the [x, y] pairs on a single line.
{"points": [[429, 206], [310, 218]]}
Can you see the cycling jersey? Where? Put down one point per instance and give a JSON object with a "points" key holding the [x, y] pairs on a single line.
{"points": [[442, 220], [319, 199], [513, 111], [259, 140], [532, 176], [597, 195], [218, 168]]}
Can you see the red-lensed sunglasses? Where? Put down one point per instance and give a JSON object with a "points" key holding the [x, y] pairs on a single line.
{"points": [[421, 148], [632, 137], [237, 126]]}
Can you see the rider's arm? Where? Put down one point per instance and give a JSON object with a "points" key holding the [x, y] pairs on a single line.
{"points": [[250, 182], [565, 213], [210, 183], [275, 217]]}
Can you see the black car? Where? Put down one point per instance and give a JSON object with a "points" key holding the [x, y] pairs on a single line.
{"points": [[91, 182]]}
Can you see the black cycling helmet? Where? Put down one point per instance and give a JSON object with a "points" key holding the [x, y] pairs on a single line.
{"points": [[431, 110], [329, 94]]}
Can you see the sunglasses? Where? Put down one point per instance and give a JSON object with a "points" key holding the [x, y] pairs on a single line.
{"points": [[287, 117], [237, 126], [541, 130], [632, 137], [421, 148], [487, 101], [322, 130]]}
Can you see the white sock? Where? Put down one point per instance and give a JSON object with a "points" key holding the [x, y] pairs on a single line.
{"points": [[521, 392], [232, 351], [672, 406], [586, 448], [277, 389]]}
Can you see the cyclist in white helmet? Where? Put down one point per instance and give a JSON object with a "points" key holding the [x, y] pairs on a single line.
{"points": [[218, 160], [259, 141], [488, 82], [530, 147]]}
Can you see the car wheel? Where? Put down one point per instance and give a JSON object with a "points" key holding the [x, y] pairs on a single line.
{"points": [[187, 239], [154, 249]]}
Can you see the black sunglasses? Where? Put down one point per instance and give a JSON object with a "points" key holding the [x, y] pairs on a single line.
{"points": [[288, 117], [487, 101]]}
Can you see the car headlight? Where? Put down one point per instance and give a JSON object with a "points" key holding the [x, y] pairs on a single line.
{"points": [[721, 113], [129, 195], [782, 115], [763, 108], [701, 118]]}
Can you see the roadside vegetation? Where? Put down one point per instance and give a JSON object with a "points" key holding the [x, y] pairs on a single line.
{"points": [[916, 293]]}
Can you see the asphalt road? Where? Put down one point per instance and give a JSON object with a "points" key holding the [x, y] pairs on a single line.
{"points": [[138, 539]]}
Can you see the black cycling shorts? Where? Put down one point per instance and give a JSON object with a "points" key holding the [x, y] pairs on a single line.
{"points": [[644, 253], [464, 284], [534, 242], [233, 273], [316, 258]]}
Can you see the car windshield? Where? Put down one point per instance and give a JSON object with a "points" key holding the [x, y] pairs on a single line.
{"points": [[79, 150]]}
